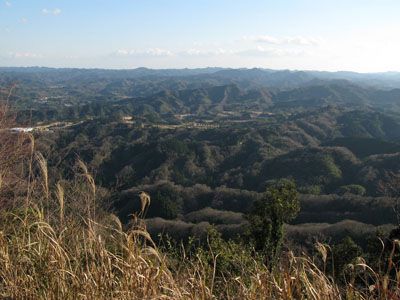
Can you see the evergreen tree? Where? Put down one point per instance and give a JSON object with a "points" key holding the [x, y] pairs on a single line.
{"points": [[279, 205]]}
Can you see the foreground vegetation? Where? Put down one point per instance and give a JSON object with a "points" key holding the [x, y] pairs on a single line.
{"points": [[50, 251]]}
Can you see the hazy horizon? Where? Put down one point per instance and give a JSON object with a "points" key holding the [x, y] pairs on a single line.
{"points": [[195, 68], [361, 36]]}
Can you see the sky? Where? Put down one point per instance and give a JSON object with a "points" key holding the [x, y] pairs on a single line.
{"points": [[331, 35]]}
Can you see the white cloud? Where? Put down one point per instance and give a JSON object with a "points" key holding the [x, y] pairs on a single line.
{"points": [[289, 40], [25, 55], [57, 11], [201, 52], [259, 51], [71, 57], [7, 3], [54, 12], [23, 20], [256, 52], [270, 51], [159, 52], [152, 52]]}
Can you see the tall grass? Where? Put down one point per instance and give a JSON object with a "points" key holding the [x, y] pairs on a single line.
{"points": [[54, 245], [57, 243]]}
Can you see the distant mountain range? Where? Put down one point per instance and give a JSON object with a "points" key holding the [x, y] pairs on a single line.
{"points": [[258, 76]]}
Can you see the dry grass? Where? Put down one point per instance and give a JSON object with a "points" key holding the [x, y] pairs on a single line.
{"points": [[54, 249], [58, 244], [15, 150]]}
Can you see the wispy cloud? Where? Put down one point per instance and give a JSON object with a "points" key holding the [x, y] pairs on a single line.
{"points": [[23, 20], [288, 40], [71, 57], [202, 52], [54, 12], [25, 55], [272, 52], [7, 3], [159, 52], [153, 52], [258, 51], [5, 29]]}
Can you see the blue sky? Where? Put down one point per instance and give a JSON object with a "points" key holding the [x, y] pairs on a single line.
{"points": [[359, 35]]}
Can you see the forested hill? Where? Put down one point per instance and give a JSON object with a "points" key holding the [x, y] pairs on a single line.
{"points": [[205, 143], [215, 102]]}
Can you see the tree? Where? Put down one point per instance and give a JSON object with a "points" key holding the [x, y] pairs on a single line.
{"points": [[165, 204], [344, 253], [279, 205]]}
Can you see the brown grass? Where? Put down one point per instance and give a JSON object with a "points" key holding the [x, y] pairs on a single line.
{"points": [[14, 154]]}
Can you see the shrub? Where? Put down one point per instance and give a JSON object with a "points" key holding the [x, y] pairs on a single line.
{"points": [[352, 189]]}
